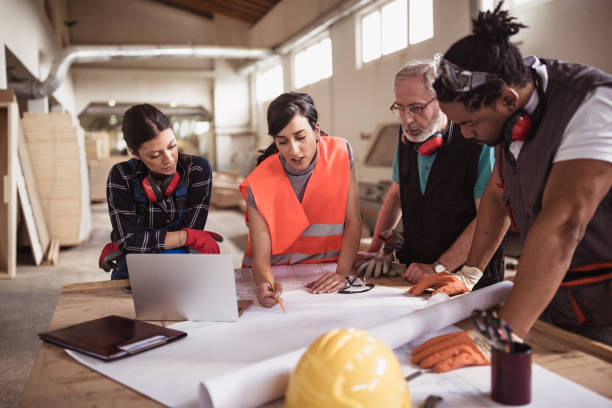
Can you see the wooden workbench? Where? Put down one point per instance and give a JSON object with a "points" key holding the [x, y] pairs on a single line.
{"points": [[57, 380]]}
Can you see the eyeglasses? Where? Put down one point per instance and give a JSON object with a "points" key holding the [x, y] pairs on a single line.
{"points": [[355, 285], [414, 110], [458, 79]]}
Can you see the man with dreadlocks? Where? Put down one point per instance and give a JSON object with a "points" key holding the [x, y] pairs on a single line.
{"points": [[552, 124]]}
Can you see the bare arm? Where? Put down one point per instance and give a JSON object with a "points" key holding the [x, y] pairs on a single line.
{"points": [[573, 191], [388, 216], [352, 229], [331, 282], [175, 239], [261, 245], [492, 222]]}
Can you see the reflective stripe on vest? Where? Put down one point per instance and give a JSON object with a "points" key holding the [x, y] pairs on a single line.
{"points": [[323, 230], [310, 231], [294, 258]]}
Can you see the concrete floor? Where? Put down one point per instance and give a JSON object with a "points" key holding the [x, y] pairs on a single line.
{"points": [[28, 301]]}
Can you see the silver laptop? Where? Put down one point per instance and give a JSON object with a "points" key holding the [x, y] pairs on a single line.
{"points": [[183, 287]]}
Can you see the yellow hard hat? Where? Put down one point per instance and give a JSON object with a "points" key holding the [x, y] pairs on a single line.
{"points": [[347, 368]]}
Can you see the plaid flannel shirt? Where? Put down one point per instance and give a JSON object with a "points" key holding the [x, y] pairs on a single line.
{"points": [[133, 236]]}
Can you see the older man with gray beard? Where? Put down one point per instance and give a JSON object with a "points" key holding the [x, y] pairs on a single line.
{"points": [[438, 178]]}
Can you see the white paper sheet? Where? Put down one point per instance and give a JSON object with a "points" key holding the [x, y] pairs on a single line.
{"points": [[292, 277], [471, 386], [171, 374], [267, 380]]}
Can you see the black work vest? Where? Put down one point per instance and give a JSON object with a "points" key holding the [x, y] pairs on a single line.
{"points": [[525, 178], [434, 220]]}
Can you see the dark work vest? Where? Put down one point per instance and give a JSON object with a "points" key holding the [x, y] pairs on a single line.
{"points": [[433, 221], [525, 178]]}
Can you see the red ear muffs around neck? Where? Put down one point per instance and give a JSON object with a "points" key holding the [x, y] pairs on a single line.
{"points": [[517, 128], [155, 192], [430, 146]]}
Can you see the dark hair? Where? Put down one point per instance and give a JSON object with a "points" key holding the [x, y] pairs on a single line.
{"points": [[282, 110], [488, 49], [142, 123]]}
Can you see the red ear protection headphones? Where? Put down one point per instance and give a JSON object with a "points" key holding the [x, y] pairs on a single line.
{"points": [[521, 126], [517, 127], [433, 142], [431, 145], [156, 193]]}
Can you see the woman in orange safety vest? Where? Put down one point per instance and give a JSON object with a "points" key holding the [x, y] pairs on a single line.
{"points": [[302, 199]]}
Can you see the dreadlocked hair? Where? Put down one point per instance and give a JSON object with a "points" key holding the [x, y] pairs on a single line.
{"points": [[487, 49]]}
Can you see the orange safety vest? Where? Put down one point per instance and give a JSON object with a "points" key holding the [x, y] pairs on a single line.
{"points": [[310, 231]]}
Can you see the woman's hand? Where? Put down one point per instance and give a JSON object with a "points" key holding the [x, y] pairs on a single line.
{"points": [[266, 296], [327, 283]]}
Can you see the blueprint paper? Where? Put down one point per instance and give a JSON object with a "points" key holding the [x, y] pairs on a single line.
{"points": [[471, 386], [292, 277], [171, 374], [267, 380]]}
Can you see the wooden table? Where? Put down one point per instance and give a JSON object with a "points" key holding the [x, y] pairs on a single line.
{"points": [[57, 380]]}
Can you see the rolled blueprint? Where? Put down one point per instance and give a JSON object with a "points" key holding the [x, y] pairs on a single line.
{"points": [[267, 380]]}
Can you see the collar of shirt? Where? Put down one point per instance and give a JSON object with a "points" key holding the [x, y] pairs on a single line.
{"points": [[307, 170]]}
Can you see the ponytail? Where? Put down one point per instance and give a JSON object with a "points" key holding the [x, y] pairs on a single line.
{"points": [[265, 153]]}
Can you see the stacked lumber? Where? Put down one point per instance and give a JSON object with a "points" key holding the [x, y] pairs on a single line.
{"points": [[97, 145], [57, 154], [225, 193], [98, 175]]}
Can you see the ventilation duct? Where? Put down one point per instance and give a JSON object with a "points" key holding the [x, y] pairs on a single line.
{"points": [[82, 54]]}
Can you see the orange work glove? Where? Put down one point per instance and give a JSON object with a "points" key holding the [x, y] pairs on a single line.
{"points": [[454, 350], [442, 282]]}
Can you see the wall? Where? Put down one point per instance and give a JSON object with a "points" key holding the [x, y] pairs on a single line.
{"points": [[141, 86], [205, 82], [233, 125], [356, 100], [287, 18], [574, 31], [26, 30]]}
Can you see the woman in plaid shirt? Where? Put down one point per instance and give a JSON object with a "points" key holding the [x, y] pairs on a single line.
{"points": [[158, 200]]}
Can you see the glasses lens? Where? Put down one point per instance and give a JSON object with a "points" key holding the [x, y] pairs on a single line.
{"points": [[395, 109], [416, 110]]}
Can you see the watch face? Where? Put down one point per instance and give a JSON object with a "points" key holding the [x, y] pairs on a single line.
{"points": [[439, 268]]}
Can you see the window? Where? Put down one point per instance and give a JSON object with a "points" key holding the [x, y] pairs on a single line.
{"points": [[421, 20], [370, 37], [269, 83], [384, 30], [393, 19], [313, 63]]}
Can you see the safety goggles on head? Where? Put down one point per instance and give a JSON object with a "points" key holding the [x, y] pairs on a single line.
{"points": [[458, 79]]}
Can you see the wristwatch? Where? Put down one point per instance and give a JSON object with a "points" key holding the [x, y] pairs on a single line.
{"points": [[438, 267]]}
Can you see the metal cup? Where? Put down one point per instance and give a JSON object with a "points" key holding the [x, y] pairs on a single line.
{"points": [[511, 375]]}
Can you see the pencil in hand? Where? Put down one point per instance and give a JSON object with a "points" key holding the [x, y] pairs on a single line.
{"points": [[271, 283]]}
